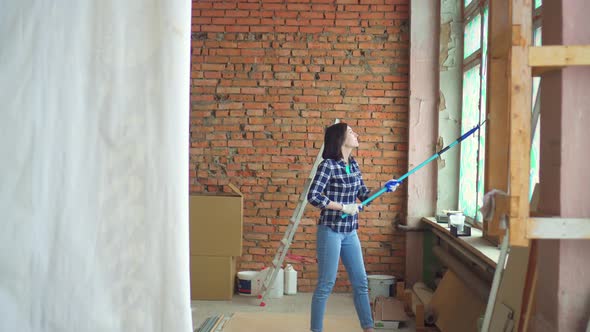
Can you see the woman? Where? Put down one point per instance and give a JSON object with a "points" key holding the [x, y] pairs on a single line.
{"points": [[335, 189]]}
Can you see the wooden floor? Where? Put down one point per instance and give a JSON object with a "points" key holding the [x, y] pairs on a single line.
{"points": [[290, 313], [287, 322]]}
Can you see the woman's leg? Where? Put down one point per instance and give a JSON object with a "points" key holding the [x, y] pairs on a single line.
{"points": [[328, 253], [352, 258]]}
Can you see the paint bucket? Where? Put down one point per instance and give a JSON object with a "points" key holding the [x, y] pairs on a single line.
{"points": [[249, 283], [380, 285]]}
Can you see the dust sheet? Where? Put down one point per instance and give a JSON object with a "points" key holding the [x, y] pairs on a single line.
{"points": [[94, 118]]}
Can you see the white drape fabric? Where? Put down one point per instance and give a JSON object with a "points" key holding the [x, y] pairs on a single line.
{"points": [[94, 99]]}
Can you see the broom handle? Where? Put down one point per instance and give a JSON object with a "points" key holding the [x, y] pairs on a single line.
{"points": [[424, 163]]}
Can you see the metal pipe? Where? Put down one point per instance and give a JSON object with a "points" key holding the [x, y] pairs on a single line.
{"points": [[407, 228]]}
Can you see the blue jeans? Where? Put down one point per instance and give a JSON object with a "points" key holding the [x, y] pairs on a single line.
{"points": [[331, 246]]}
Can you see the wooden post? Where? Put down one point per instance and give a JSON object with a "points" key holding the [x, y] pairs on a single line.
{"points": [[520, 92], [408, 300], [420, 317], [400, 287], [530, 283], [496, 168]]}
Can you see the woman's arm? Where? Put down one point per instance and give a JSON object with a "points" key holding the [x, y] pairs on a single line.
{"points": [[363, 192], [316, 195], [334, 206]]}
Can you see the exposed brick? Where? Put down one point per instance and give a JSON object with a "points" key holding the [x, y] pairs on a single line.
{"points": [[253, 90], [248, 5], [212, 13], [267, 77], [311, 29], [212, 28]]}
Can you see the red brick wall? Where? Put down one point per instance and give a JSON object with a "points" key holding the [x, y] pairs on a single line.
{"points": [[267, 77]]}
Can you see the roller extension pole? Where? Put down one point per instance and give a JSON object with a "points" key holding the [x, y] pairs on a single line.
{"points": [[424, 163]]}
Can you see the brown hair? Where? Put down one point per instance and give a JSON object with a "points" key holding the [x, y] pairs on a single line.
{"points": [[333, 141]]}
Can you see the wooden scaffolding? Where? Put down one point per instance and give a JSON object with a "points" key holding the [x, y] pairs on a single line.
{"points": [[513, 62]]}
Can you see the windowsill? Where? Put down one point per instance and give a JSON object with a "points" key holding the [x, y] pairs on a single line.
{"points": [[484, 250]]}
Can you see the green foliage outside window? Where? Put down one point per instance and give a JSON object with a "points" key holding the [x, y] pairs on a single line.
{"points": [[472, 36], [471, 169], [468, 164]]}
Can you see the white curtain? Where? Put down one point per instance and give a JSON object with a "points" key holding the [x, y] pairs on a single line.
{"points": [[94, 99]]}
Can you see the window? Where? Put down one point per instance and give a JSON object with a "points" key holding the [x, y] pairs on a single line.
{"points": [[536, 127], [472, 160], [473, 110]]}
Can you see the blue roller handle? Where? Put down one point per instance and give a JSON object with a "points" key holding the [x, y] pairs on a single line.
{"points": [[424, 163]]}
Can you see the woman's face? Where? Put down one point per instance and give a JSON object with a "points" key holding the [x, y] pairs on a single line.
{"points": [[351, 140]]}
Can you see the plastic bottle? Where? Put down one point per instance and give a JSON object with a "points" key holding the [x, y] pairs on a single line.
{"points": [[277, 288], [290, 280]]}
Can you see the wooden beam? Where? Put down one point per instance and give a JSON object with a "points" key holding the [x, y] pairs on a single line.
{"points": [[558, 228], [544, 59], [559, 56], [540, 71], [530, 285], [520, 90], [497, 131]]}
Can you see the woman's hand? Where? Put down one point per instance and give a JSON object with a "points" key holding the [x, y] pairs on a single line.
{"points": [[392, 185], [351, 209]]}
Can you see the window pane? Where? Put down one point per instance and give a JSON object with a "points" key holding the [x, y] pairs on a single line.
{"points": [[535, 157], [485, 33], [537, 34], [482, 115], [468, 166], [535, 147], [538, 3], [472, 36], [467, 2], [536, 80], [484, 61]]}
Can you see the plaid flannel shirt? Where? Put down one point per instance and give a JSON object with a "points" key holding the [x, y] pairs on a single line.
{"points": [[331, 183]]}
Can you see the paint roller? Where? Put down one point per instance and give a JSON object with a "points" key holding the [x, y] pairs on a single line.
{"points": [[424, 163]]}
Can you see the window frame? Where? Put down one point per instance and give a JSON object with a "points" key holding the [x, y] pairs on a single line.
{"points": [[475, 7]]}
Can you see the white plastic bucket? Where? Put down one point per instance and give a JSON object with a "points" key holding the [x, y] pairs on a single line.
{"points": [[255, 284], [249, 283], [379, 285]]}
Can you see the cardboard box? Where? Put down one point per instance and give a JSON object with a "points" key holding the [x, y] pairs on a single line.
{"points": [[216, 224], [389, 313], [212, 277]]}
